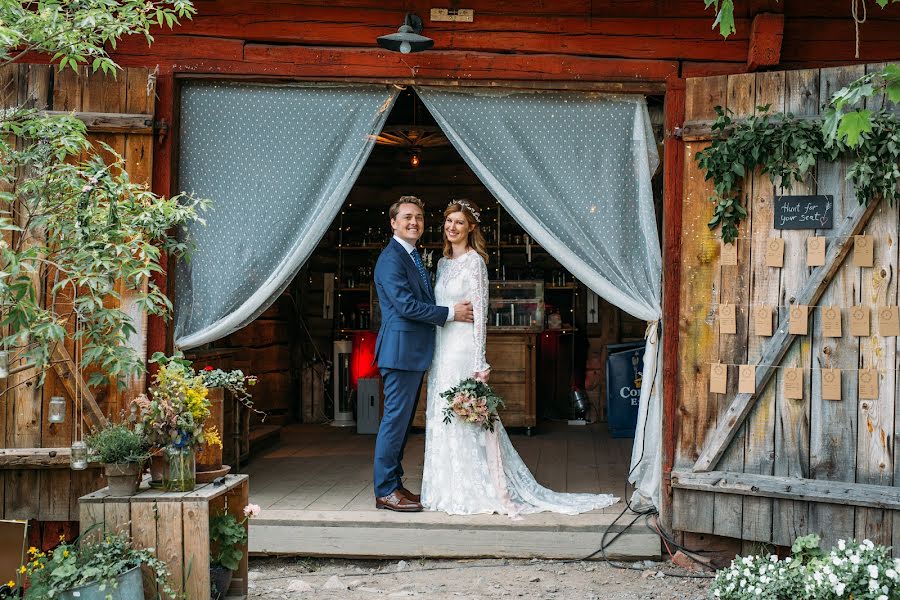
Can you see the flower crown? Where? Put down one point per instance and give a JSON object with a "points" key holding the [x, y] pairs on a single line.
{"points": [[464, 204]]}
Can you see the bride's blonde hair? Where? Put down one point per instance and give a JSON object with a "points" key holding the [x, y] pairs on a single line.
{"points": [[472, 214]]}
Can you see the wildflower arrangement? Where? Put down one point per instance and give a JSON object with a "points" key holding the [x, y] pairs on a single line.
{"points": [[473, 401], [234, 381], [69, 566], [851, 570], [226, 534], [177, 406]]}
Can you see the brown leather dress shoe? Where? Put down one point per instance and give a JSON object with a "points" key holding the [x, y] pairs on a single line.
{"points": [[414, 497], [398, 502]]}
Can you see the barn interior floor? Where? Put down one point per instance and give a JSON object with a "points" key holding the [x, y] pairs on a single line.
{"points": [[315, 492]]}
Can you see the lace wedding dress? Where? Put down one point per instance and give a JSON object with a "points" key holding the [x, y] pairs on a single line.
{"points": [[468, 470]]}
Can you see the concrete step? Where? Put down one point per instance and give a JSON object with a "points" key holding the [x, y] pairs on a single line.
{"points": [[385, 534]]}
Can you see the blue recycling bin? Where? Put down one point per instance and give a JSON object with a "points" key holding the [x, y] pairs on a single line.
{"points": [[624, 366]]}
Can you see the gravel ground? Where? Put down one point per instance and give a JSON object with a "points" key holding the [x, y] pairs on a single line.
{"points": [[278, 578]]}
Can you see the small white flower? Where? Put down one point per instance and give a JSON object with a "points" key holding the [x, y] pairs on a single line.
{"points": [[868, 544], [882, 597], [757, 591], [854, 558], [873, 571], [252, 510], [891, 573], [788, 559], [873, 585], [837, 561], [842, 545], [839, 588]]}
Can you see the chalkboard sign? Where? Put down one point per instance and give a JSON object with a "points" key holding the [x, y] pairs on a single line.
{"points": [[804, 212]]}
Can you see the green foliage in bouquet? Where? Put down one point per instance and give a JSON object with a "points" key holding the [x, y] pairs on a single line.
{"points": [[473, 401]]}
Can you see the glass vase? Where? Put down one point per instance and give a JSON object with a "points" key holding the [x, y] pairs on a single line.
{"points": [[181, 471]]}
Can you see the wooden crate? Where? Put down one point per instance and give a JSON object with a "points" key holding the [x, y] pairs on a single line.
{"points": [[176, 526]]}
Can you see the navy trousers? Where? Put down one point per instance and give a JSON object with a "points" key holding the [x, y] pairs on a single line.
{"points": [[401, 395]]}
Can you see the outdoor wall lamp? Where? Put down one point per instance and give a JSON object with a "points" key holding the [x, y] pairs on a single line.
{"points": [[408, 38]]}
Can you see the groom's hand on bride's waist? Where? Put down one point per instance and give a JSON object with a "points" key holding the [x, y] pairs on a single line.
{"points": [[463, 312]]}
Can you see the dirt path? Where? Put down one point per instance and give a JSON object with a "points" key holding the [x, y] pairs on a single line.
{"points": [[280, 578]]}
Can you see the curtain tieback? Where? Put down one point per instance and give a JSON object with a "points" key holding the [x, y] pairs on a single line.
{"points": [[652, 327]]}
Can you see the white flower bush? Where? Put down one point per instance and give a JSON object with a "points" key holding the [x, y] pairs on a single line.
{"points": [[850, 571]]}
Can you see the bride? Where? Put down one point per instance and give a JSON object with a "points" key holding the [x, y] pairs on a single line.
{"points": [[467, 469]]}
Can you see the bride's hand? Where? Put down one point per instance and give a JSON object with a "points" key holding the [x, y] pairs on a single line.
{"points": [[483, 375]]}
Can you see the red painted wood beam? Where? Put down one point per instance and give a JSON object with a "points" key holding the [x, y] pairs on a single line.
{"points": [[673, 172], [765, 40], [374, 63]]}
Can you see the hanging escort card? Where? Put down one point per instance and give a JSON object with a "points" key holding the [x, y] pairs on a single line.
{"points": [[831, 384], [831, 321], [888, 321], [775, 252], [727, 318], [804, 212], [718, 378], [815, 251], [859, 321], [728, 254], [793, 383], [746, 379], [863, 251], [868, 384], [799, 320], [762, 320]]}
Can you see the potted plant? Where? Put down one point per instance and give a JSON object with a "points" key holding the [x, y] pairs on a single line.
{"points": [[227, 536], [108, 569], [123, 451], [209, 460]]}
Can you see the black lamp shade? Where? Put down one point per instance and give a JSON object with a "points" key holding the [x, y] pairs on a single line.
{"points": [[405, 41]]}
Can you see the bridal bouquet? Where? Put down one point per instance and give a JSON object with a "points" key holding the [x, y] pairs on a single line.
{"points": [[473, 401]]}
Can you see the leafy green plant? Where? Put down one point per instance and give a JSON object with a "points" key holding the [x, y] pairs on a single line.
{"points": [[117, 443], [73, 565], [227, 535], [71, 228]]}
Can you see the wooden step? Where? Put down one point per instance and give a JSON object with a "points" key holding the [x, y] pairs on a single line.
{"points": [[385, 534], [263, 437]]}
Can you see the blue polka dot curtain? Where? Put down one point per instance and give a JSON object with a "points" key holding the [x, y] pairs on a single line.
{"points": [[574, 170], [277, 162]]}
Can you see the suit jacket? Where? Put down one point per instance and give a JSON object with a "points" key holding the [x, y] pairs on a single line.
{"points": [[408, 313]]}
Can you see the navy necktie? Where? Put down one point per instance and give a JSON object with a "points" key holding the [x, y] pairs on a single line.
{"points": [[421, 267]]}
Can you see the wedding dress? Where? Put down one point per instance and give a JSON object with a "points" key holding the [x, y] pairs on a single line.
{"points": [[468, 470]]}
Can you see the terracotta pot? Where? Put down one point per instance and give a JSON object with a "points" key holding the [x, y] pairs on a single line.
{"points": [[158, 465], [122, 478], [209, 457]]}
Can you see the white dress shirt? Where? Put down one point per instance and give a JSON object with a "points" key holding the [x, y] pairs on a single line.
{"points": [[409, 250]]}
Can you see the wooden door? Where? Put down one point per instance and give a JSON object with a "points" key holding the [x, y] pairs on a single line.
{"points": [[119, 112], [762, 466]]}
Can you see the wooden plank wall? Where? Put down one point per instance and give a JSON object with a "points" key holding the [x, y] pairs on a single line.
{"points": [[51, 494], [850, 440]]}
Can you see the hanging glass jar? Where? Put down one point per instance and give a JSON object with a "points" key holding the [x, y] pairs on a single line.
{"points": [[4, 364], [57, 413], [79, 458], [181, 471]]}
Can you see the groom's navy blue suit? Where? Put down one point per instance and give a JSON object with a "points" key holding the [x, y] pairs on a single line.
{"points": [[404, 350]]}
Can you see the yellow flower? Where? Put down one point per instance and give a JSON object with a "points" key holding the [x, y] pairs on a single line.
{"points": [[213, 438], [65, 554], [62, 538], [22, 569], [11, 584], [32, 551]]}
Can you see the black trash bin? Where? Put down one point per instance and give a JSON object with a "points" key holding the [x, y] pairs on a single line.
{"points": [[624, 366]]}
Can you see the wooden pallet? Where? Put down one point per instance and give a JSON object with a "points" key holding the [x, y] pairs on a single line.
{"points": [[176, 526]]}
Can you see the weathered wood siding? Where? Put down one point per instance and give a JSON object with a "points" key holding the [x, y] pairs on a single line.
{"points": [[50, 494], [850, 440]]}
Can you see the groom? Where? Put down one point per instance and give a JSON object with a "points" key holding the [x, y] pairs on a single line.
{"points": [[405, 346]]}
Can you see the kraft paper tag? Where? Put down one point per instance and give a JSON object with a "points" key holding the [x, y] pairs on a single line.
{"points": [[762, 320], [793, 383], [863, 251], [831, 321], [727, 318], [746, 379], [868, 384], [815, 251], [799, 319], [728, 254], [775, 252], [859, 321], [718, 378], [831, 384], [888, 321]]}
